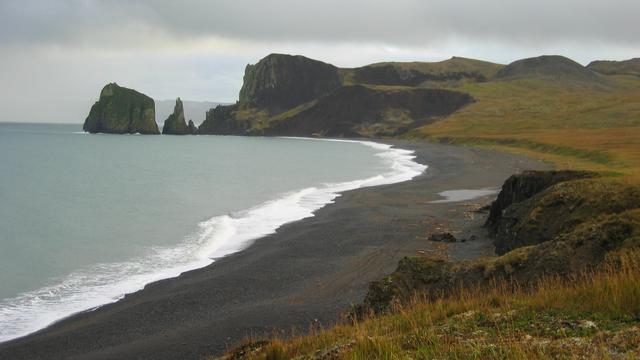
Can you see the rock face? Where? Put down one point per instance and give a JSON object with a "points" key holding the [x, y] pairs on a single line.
{"points": [[544, 223], [540, 206], [523, 186], [220, 121], [279, 82], [579, 249], [296, 96], [353, 111], [176, 124], [192, 127], [122, 111]]}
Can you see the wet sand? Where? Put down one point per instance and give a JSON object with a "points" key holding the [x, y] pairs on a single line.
{"points": [[306, 274]]}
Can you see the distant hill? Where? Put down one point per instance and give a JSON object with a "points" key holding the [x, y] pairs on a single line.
{"points": [[626, 67], [550, 67], [425, 74], [193, 110]]}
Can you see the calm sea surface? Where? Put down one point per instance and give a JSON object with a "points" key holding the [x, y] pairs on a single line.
{"points": [[86, 218]]}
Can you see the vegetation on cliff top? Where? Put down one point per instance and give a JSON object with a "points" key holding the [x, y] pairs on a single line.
{"points": [[122, 111]]}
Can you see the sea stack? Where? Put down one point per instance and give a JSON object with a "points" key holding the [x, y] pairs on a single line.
{"points": [[122, 111], [176, 124]]}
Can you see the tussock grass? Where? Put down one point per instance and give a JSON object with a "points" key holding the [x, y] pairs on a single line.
{"points": [[593, 315]]}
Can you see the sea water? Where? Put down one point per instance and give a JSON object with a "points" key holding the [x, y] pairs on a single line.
{"points": [[85, 219]]}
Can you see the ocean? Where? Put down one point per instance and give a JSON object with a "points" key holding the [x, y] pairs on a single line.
{"points": [[87, 218]]}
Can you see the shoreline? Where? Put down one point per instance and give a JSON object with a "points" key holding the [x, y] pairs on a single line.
{"points": [[223, 235], [308, 271]]}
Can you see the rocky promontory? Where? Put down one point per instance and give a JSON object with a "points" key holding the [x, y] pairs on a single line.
{"points": [[176, 123], [279, 82], [122, 111], [297, 96]]}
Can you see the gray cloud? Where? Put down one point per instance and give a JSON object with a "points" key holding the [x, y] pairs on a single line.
{"points": [[55, 56], [404, 22]]}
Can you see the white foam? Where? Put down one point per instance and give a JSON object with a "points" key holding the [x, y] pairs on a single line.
{"points": [[219, 236]]}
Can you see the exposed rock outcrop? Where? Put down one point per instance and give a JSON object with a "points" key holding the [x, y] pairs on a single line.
{"points": [[297, 96], [221, 121], [583, 248], [364, 111], [551, 223], [122, 111], [192, 127], [559, 209], [523, 186], [279, 82], [176, 124]]}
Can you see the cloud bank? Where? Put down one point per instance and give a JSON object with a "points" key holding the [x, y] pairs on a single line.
{"points": [[66, 50]]}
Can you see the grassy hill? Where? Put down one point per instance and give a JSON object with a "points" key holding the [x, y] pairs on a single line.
{"points": [[573, 126], [456, 70]]}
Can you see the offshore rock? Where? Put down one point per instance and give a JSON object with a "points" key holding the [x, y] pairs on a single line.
{"points": [[176, 124], [122, 111]]}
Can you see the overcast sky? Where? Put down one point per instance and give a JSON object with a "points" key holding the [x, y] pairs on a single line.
{"points": [[55, 56]]}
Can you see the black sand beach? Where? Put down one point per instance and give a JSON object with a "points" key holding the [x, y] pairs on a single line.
{"points": [[306, 274]]}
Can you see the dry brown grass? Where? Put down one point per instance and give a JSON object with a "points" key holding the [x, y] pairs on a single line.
{"points": [[570, 126], [591, 316]]}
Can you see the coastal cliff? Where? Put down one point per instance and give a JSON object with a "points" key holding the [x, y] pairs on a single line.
{"points": [[176, 124], [279, 82], [543, 223], [298, 96], [357, 110], [121, 111]]}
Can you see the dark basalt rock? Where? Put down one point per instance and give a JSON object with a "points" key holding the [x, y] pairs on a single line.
{"points": [[176, 124], [443, 237], [539, 206], [279, 82], [220, 121], [122, 111], [348, 110], [523, 186], [192, 128], [583, 247]]}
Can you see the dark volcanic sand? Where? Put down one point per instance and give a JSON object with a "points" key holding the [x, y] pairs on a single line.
{"points": [[308, 272]]}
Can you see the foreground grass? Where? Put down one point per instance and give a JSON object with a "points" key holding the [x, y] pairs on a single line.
{"points": [[573, 127], [594, 315]]}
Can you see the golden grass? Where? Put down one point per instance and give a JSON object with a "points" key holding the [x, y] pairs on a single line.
{"points": [[571, 126], [591, 316]]}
